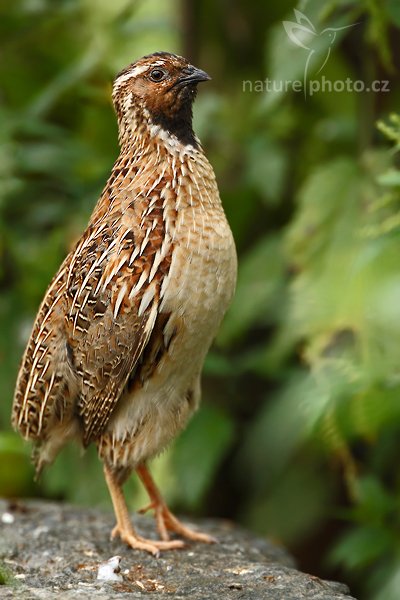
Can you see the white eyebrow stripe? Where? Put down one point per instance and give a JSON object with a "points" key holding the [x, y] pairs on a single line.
{"points": [[133, 73]]}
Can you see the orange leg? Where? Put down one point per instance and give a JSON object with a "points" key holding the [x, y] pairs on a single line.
{"points": [[164, 518], [124, 527]]}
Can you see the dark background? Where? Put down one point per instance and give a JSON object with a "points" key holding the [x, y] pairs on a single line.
{"points": [[298, 434]]}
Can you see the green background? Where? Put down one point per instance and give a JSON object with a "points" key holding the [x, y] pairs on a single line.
{"points": [[298, 437]]}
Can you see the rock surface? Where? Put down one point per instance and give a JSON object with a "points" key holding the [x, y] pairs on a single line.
{"points": [[50, 550]]}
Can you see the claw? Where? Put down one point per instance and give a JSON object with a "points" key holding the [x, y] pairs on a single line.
{"points": [[124, 528], [137, 542], [165, 520]]}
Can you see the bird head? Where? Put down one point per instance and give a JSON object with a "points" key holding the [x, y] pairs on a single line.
{"points": [[160, 88]]}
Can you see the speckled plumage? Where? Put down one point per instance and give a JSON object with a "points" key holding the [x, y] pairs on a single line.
{"points": [[116, 352]]}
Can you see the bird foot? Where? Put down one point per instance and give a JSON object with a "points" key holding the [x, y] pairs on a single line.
{"points": [[129, 537], [166, 522]]}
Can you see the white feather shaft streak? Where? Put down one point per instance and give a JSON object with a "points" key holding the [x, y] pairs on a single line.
{"points": [[146, 299], [145, 240], [134, 254], [159, 257], [39, 346], [111, 274], [156, 182], [121, 295], [48, 313], [152, 319], [44, 402], [139, 284]]}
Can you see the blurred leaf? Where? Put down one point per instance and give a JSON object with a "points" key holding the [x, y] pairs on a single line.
{"points": [[16, 472], [389, 582], [198, 452], [390, 178], [393, 10], [272, 511], [362, 547], [267, 168], [260, 281]]}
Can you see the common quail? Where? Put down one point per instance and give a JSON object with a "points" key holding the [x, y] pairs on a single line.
{"points": [[118, 345]]}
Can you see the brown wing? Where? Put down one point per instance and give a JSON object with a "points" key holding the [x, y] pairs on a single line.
{"points": [[44, 385], [92, 328], [107, 323], [114, 290]]}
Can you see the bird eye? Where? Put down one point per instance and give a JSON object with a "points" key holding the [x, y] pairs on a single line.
{"points": [[158, 75]]}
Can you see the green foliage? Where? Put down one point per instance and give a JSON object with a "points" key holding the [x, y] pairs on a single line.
{"points": [[299, 430], [198, 452], [16, 474], [6, 577]]}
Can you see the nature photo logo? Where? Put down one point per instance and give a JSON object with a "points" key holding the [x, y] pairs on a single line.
{"points": [[317, 44]]}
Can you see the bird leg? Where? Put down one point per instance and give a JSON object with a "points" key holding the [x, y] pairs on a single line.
{"points": [[124, 528], [164, 518]]}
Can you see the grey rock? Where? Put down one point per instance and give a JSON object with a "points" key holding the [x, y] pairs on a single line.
{"points": [[54, 550]]}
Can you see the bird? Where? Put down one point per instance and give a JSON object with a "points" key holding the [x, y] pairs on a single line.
{"points": [[117, 348]]}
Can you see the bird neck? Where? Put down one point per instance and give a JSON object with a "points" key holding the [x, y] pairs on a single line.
{"points": [[140, 130], [178, 124]]}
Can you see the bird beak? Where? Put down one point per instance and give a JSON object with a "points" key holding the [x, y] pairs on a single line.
{"points": [[193, 75]]}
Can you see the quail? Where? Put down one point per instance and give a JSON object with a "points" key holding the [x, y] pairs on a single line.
{"points": [[117, 348]]}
